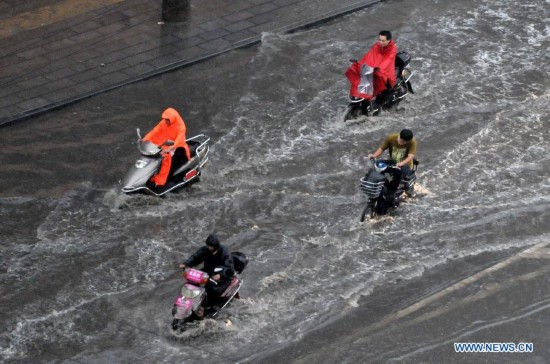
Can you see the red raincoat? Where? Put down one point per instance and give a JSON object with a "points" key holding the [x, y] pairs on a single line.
{"points": [[163, 132], [377, 57]]}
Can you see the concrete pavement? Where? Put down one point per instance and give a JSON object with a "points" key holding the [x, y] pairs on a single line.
{"points": [[57, 52]]}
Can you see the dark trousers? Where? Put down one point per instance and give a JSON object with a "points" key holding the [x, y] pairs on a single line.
{"points": [[214, 291], [178, 159], [398, 174]]}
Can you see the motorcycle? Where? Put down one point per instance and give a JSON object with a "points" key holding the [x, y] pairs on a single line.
{"points": [[362, 86], [148, 164], [189, 305], [376, 185]]}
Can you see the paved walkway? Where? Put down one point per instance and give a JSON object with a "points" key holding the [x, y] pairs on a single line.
{"points": [[57, 52]]}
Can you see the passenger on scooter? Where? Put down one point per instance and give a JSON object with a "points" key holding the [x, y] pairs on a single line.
{"points": [[213, 255], [171, 127], [381, 57], [402, 149]]}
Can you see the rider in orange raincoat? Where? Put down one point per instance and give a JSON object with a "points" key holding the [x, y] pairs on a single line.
{"points": [[171, 127]]}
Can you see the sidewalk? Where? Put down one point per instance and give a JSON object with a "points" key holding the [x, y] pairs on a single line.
{"points": [[62, 51]]}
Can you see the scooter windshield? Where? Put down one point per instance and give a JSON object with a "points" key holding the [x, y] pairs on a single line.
{"points": [[366, 81], [147, 148], [189, 292]]}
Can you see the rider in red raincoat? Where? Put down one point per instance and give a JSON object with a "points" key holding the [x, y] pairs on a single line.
{"points": [[381, 57], [171, 127]]}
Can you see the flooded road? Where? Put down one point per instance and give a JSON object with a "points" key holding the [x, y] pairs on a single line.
{"points": [[89, 274]]}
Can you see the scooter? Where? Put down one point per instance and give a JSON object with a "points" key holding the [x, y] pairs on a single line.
{"points": [[361, 79], [375, 184], [148, 164], [189, 305]]}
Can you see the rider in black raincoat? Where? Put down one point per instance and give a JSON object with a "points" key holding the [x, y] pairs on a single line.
{"points": [[213, 255]]}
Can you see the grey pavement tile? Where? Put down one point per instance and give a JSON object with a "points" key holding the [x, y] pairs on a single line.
{"points": [[258, 2], [7, 111], [23, 68], [286, 2], [85, 26], [83, 67], [188, 32], [84, 55], [168, 38], [63, 83], [138, 70], [264, 8], [111, 67], [86, 36], [214, 34], [213, 24], [236, 6], [12, 47], [142, 47], [110, 58], [168, 50], [10, 100], [60, 73], [237, 27], [112, 78], [30, 53], [165, 61], [238, 16], [191, 53], [61, 54], [242, 35], [144, 34], [215, 45], [264, 18], [58, 44], [189, 42], [87, 87], [111, 28], [90, 74], [35, 103], [111, 45], [62, 94], [32, 93], [135, 59], [32, 82]]}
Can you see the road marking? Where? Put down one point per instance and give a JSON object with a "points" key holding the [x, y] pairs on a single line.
{"points": [[50, 14]]}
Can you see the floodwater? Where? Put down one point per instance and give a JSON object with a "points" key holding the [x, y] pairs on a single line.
{"points": [[89, 274]]}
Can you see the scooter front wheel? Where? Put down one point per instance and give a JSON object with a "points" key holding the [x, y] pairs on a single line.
{"points": [[368, 212], [348, 115], [179, 325]]}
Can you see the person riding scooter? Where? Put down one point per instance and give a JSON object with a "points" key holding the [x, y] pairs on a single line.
{"points": [[402, 150], [171, 127], [218, 263]]}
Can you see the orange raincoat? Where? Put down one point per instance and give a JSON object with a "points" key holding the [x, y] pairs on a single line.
{"points": [[163, 132]]}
